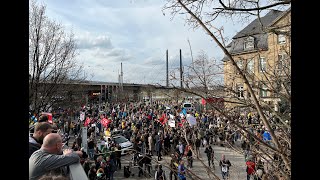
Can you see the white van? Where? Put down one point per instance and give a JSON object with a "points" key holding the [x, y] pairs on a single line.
{"points": [[188, 106]]}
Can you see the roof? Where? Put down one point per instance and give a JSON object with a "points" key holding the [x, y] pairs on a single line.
{"points": [[254, 30], [279, 17], [254, 26]]}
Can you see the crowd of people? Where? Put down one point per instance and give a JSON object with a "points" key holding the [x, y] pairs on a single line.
{"points": [[146, 126]]}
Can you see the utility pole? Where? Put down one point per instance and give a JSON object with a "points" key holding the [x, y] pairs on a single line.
{"points": [[181, 78], [167, 69], [121, 78]]}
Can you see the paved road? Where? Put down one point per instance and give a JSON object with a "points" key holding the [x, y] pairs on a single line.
{"points": [[237, 170]]}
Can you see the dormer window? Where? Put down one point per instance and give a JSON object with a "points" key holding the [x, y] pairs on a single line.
{"points": [[249, 43], [282, 37]]}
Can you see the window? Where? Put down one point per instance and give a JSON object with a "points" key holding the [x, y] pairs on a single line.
{"points": [[281, 38], [249, 43], [240, 65], [250, 66], [282, 63], [240, 90], [263, 90], [262, 64]]}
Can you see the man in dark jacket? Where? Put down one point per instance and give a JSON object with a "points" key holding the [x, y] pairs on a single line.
{"points": [[118, 156], [41, 130], [210, 155], [173, 167]]}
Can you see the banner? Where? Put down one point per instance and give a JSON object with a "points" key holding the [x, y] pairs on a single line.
{"points": [[82, 115], [191, 120], [172, 123]]}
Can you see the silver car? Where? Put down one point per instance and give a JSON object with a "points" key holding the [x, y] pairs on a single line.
{"points": [[125, 144]]}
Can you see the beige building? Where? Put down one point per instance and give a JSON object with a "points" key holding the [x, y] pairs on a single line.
{"points": [[262, 50]]}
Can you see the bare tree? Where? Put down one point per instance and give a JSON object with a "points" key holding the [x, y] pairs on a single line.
{"points": [[204, 73], [201, 13], [52, 61]]}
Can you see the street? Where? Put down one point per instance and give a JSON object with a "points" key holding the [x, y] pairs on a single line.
{"points": [[237, 170]]}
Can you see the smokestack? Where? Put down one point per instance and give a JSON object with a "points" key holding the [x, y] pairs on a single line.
{"points": [[181, 78], [167, 69]]}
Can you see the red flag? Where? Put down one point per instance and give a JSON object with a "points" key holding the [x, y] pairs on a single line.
{"points": [[203, 101], [164, 121], [88, 120], [104, 122]]}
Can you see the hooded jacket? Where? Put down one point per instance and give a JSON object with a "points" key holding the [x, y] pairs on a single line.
{"points": [[33, 145]]}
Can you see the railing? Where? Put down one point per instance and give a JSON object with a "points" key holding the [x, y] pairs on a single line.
{"points": [[76, 172]]}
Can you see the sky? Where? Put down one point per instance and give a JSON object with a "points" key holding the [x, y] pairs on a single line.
{"points": [[134, 32]]}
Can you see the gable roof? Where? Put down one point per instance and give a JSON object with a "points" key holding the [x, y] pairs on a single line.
{"points": [[280, 17], [255, 26]]}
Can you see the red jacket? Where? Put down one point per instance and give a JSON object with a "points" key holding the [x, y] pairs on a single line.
{"points": [[250, 167]]}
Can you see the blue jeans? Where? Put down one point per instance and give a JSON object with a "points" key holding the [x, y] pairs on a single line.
{"points": [[111, 175], [181, 177], [91, 153], [225, 175]]}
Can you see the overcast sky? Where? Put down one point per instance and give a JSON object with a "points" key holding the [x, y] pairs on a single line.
{"points": [[134, 32]]}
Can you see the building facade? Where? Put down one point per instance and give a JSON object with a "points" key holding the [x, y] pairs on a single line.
{"points": [[262, 50]]}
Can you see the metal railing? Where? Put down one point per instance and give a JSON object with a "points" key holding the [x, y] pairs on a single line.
{"points": [[76, 172]]}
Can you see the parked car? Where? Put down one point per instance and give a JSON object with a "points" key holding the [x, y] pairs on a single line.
{"points": [[125, 144]]}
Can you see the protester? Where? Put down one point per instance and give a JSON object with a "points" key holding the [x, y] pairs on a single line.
{"points": [[173, 167], [250, 169], [182, 171], [160, 173], [225, 165], [210, 155]]}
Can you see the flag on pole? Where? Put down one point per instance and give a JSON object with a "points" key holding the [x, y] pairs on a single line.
{"points": [[184, 111]]}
